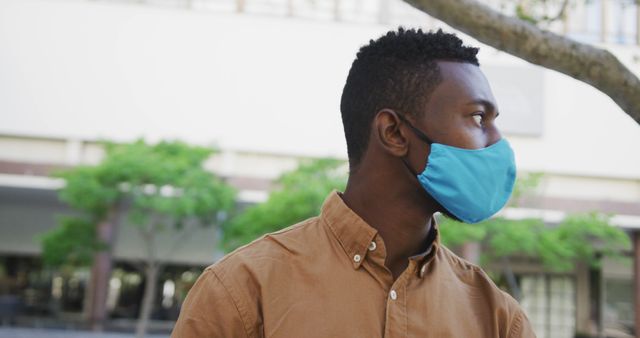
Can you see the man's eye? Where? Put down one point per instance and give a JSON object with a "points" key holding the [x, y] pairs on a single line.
{"points": [[478, 118]]}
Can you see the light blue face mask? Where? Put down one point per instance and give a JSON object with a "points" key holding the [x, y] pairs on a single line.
{"points": [[472, 184]]}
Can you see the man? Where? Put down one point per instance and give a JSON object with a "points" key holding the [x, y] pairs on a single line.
{"points": [[419, 119]]}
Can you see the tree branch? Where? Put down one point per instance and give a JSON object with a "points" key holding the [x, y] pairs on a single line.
{"points": [[563, 11], [549, 19], [148, 235], [186, 233], [597, 67]]}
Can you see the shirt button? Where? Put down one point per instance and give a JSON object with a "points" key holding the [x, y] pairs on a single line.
{"points": [[357, 258], [372, 246], [393, 294]]}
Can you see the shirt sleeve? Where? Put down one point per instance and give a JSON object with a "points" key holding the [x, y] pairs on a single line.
{"points": [[209, 311], [520, 327]]}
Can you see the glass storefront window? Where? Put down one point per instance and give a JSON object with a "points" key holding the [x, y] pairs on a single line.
{"points": [[618, 311], [550, 303]]}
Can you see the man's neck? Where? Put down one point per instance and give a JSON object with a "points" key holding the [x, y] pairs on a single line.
{"points": [[402, 216]]}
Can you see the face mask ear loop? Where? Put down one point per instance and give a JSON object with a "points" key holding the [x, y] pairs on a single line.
{"points": [[406, 164], [415, 130], [419, 134]]}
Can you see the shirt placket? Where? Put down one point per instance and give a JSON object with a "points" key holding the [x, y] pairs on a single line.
{"points": [[396, 319], [396, 323]]}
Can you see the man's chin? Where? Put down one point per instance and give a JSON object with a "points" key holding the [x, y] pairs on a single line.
{"points": [[442, 209]]}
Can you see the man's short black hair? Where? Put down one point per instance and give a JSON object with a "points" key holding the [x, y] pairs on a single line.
{"points": [[397, 71]]}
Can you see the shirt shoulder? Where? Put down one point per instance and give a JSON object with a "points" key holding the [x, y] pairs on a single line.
{"points": [[264, 264], [210, 311], [506, 309], [519, 325], [470, 274], [270, 259], [278, 245]]}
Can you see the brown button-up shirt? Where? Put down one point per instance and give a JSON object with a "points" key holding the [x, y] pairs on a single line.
{"points": [[325, 278]]}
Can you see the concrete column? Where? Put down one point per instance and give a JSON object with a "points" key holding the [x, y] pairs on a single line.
{"points": [[337, 10], [638, 23], [583, 299], [604, 20], [635, 236], [384, 12], [240, 5], [74, 151], [290, 7], [471, 252]]}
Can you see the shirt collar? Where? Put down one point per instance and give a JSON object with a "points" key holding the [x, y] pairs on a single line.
{"points": [[355, 235], [422, 259]]}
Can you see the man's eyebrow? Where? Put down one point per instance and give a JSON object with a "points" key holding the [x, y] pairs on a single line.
{"points": [[486, 103]]}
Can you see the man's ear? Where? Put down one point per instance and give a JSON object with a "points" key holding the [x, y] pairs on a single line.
{"points": [[391, 137]]}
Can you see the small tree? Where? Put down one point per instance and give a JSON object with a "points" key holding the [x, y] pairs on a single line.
{"points": [[298, 196], [158, 187]]}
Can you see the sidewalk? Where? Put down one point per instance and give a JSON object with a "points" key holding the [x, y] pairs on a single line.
{"points": [[52, 333]]}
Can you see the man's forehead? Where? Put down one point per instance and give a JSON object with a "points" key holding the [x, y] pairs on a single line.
{"points": [[462, 83]]}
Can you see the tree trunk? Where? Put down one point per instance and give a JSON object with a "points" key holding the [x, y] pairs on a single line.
{"points": [[101, 271], [597, 67], [151, 271], [148, 300]]}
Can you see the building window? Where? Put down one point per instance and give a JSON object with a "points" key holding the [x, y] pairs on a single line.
{"points": [[550, 303], [618, 311]]}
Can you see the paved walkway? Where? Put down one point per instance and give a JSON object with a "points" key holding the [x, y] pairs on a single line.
{"points": [[50, 333]]}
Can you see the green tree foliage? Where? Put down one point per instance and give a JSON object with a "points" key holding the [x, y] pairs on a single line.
{"points": [[579, 237], [299, 195], [72, 243], [87, 189], [540, 11], [166, 180]]}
